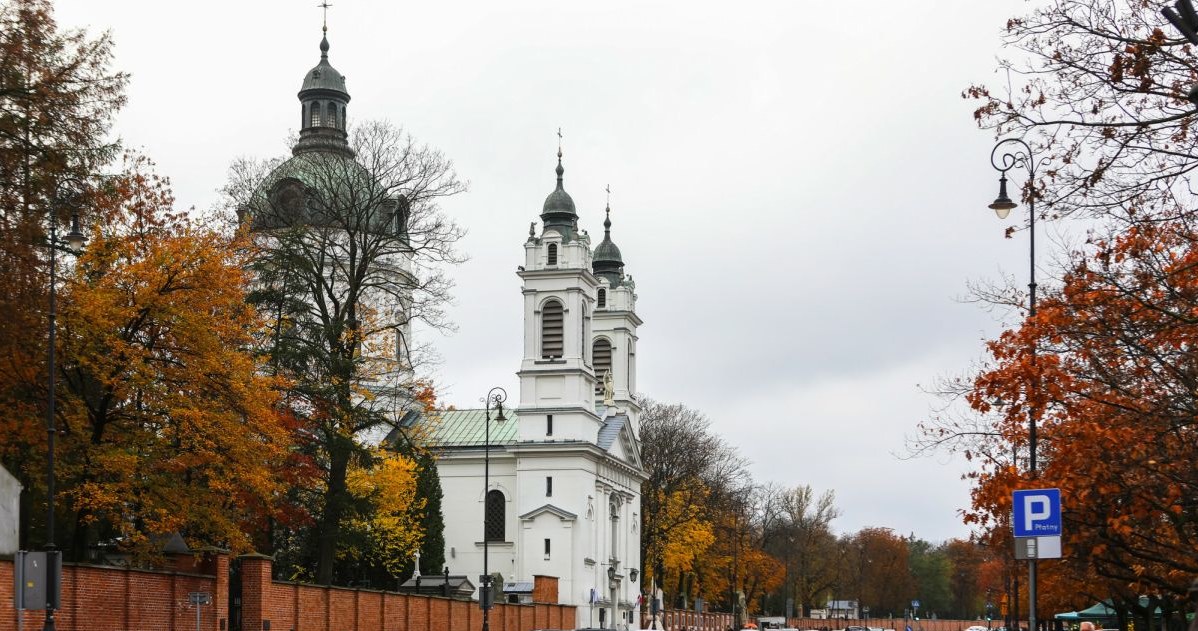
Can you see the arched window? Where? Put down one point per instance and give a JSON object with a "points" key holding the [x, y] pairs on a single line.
{"points": [[601, 356], [602, 298], [314, 116], [552, 317], [552, 250], [495, 517], [331, 120]]}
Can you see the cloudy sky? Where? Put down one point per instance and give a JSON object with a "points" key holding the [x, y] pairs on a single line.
{"points": [[797, 187]]}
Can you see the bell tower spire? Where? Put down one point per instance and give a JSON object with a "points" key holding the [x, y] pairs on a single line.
{"points": [[323, 100], [558, 212]]}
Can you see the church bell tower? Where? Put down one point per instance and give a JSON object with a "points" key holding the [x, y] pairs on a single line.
{"points": [[557, 379]]}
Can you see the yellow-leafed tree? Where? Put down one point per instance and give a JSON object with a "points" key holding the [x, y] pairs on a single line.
{"points": [[391, 531]]}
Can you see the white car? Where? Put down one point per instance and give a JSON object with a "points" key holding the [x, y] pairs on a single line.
{"points": [[977, 628]]}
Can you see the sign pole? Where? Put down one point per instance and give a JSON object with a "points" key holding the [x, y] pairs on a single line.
{"points": [[1036, 521], [1031, 590]]}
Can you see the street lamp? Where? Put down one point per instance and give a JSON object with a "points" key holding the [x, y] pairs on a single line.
{"points": [[613, 585], [495, 398], [73, 241], [1008, 154]]}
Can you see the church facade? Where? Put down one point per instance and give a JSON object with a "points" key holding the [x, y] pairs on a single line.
{"points": [[563, 494]]}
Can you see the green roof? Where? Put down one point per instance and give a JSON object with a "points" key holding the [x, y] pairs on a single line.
{"points": [[466, 428]]}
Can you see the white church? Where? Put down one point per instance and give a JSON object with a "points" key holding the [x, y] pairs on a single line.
{"points": [[563, 501], [565, 474]]}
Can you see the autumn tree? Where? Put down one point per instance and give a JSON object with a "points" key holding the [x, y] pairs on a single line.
{"points": [[58, 94], [690, 471], [349, 247], [1099, 88], [1115, 394], [881, 560], [166, 423]]}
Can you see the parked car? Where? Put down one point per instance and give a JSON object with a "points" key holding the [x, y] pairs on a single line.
{"points": [[977, 628]]}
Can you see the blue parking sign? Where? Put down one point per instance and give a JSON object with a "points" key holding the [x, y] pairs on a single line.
{"points": [[1037, 512]]}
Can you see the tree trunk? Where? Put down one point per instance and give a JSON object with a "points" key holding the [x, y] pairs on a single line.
{"points": [[334, 498]]}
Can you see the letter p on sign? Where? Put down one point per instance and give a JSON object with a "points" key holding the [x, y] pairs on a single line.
{"points": [[1035, 509], [1037, 512]]}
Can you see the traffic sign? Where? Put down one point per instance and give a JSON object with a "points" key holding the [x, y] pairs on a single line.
{"points": [[915, 604], [1037, 512]]}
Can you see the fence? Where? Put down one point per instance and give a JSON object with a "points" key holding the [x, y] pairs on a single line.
{"points": [[105, 598]]}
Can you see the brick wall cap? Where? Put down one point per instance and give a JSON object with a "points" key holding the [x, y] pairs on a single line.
{"points": [[125, 568], [256, 555]]}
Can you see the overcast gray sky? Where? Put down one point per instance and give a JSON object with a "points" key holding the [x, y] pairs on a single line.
{"points": [[797, 188]]}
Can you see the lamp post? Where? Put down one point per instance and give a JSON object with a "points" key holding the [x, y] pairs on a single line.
{"points": [[74, 241], [495, 398], [1008, 154], [613, 585]]}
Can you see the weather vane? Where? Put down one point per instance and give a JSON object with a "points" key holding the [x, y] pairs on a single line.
{"points": [[325, 22], [559, 140], [608, 189]]}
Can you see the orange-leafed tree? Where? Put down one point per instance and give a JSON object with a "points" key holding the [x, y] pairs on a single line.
{"points": [[1107, 366], [879, 562], [168, 423], [58, 95]]}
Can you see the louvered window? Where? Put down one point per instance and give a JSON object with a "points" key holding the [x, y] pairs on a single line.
{"points": [[331, 116], [602, 298], [552, 331], [314, 117], [601, 355], [552, 254], [495, 516]]}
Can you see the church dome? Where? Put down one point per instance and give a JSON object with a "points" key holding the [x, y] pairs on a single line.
{"points": [[559, 202], [314, 189], [607, 261], [324, 76], [558, 211], [607, 252]]}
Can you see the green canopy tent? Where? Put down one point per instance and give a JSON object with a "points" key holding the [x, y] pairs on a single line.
{"points": [[1099, 612]]}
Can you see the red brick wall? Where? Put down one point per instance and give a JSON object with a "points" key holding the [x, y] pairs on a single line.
{"points": [[296, 607], [544, 589], [898, 624], [100, 598]]}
